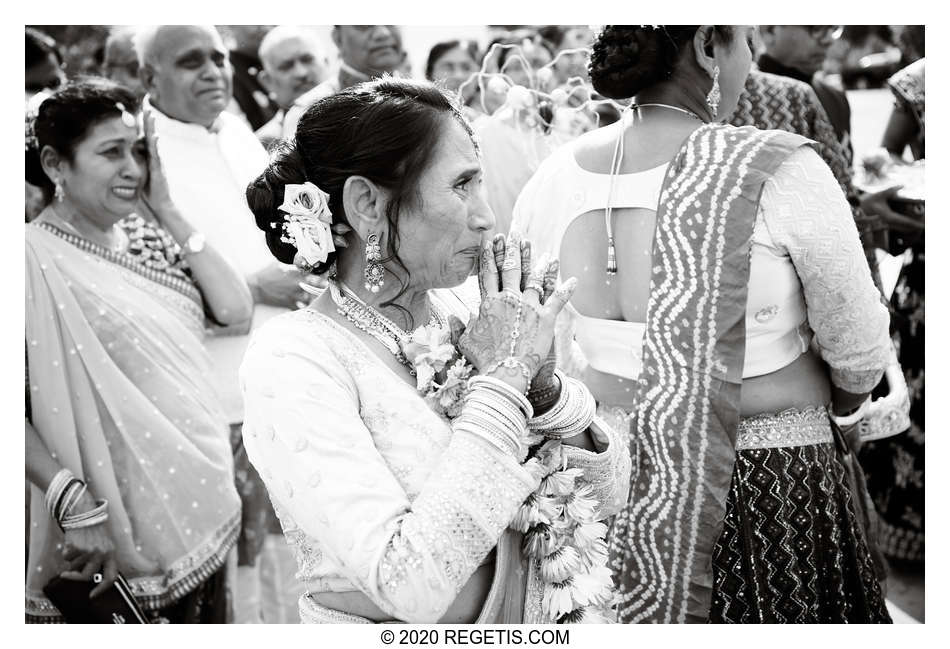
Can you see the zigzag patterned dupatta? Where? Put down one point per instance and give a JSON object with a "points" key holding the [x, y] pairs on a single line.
{"points": [[687, 408]]}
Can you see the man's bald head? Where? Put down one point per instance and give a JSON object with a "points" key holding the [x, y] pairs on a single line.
{"points": [[185, 70]]}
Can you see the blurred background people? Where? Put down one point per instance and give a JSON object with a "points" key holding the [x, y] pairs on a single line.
{"points": [[119, 390], [365, 52], [44, 63], [895, 465], [120, 62], [562, 38], [44, 73], [453, 63], [250, 98], [799, 51], [291, 65]]}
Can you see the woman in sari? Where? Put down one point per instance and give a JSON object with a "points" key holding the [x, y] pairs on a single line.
{"points": [[408, 469], [127, 450], [725, 304]]}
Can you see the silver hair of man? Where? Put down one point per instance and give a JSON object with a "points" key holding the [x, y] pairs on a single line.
{"points": [[283, 32], [144, 41]]}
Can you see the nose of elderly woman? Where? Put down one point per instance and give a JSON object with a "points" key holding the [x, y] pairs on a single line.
{"points": [[480, 216]]}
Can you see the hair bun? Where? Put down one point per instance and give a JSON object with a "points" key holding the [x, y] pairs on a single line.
{"points": [[266, 193], [626, 59]]}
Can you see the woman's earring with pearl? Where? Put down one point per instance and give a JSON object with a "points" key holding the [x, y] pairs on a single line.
{"points": [[59, 194], [715, 94], [373, 275]]}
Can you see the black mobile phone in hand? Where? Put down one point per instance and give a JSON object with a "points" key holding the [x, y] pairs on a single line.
{"points": [[116, 605]]}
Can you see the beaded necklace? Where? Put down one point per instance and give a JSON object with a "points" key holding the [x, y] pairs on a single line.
{"points": [[372, 322]]}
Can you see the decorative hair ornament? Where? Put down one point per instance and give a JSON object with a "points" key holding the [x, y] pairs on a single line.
{"points": [[307, 225], [715, 94], [127, 118]]}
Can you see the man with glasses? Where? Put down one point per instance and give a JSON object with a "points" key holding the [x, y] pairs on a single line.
{"points": [[798, 51]]}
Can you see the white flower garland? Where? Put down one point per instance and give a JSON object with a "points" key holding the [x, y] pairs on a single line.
{"points": [[560, 532]]}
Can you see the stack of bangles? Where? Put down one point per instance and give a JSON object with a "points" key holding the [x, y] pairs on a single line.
{"points": [[63, 493], [497, 413], [571, 415]]}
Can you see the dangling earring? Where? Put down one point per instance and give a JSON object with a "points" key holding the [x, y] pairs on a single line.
{"points": [[59, 190], [373, 272], [715, 95]]}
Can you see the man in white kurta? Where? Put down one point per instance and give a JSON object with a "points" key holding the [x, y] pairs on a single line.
{"points": [[209, 156]]}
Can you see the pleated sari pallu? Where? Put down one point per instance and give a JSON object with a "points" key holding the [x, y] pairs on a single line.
{"points": [[687, 410], [119, 394]]}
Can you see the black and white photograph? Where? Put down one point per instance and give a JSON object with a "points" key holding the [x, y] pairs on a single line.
{"points": [[474, 324]]}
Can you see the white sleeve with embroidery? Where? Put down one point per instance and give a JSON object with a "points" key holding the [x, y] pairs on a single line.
{"points": [[806, 214], [607, 471], [304, 435]]}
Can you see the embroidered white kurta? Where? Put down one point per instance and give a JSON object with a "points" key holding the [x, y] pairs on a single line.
{"points": [[373, 489]]}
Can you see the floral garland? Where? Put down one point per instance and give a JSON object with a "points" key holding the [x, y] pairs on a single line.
{"points": [[566, 543], [442, 373], [561, 535]]}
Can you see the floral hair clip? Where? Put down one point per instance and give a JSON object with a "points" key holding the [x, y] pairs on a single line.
{"points": [[309, 223], [127, 118]]}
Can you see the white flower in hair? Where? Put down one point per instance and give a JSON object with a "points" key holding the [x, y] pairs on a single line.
{"points": [[308, 221]]}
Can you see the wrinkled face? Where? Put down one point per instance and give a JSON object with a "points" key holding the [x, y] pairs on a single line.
{"points": [[802, 47], [734, 60], [439, 236], [292, 68], [454, 68], [371, 49], [192, 79], [105, 177]]}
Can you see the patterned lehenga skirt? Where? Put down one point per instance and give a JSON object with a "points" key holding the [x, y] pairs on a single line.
{"points": [[794, 547]]}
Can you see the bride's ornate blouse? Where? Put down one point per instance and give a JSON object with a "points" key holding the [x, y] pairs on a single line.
{"points": [[373, 489]]}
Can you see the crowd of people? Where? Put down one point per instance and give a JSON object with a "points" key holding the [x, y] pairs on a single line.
{"points": [[586, 325]]}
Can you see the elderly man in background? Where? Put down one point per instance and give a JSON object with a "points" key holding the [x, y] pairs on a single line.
{"points": [[209, 157], [120, 63], [366, 52], [291, 65]]}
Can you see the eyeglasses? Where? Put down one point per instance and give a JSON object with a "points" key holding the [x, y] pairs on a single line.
{"points": [[824, 32]]}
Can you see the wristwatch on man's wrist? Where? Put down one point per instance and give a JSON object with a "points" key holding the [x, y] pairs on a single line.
{"points": [[194, 244]]}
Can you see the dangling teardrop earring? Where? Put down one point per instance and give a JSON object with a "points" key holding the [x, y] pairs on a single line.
{"points": [[59, 193], [715, 95], [373, 275]]}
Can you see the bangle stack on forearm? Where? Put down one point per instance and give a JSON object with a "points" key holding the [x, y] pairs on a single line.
{"points": [[571, 415], [497, 413], [65, 490]]}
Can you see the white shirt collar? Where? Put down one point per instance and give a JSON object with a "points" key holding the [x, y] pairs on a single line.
{"points": [[180, 126]]}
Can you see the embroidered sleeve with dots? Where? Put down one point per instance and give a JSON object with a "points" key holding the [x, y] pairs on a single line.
{"points": [[304, 434], [807, 216], [607, 471]]}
